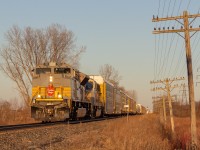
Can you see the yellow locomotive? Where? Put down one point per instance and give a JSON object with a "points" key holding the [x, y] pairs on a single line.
{"points": [[60, 92]]}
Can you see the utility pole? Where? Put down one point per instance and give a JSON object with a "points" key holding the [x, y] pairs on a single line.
{"points": [[186, 30], [168, 88], [163, 106], [164, 109]]}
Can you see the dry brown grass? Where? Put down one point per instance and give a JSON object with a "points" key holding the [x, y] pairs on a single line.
{"points": [[182, 139], [140, 132], [9, 116]]}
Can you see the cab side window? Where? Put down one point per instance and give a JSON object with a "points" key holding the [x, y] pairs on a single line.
{"points": [[62, 70], [43, 70]]}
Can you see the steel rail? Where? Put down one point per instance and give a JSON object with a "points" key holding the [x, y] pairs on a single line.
{"points": [[33, 125]]}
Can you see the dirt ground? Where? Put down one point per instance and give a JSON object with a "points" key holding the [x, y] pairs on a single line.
{"points": [[141, 132]]}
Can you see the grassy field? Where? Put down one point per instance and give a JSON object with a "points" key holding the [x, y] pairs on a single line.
{"points": [[139, 132], [182, 132], [143, 132]]}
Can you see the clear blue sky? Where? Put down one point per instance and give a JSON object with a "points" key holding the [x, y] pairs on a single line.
{"points": [[114, 31]]}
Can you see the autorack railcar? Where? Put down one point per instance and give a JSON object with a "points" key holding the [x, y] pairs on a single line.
{"points": [[114, 100], [141, 109]]}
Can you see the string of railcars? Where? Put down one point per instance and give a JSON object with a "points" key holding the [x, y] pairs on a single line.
{"points": [[60, 92]]}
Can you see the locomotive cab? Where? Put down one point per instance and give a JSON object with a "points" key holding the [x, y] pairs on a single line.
{"points": [[51, 92]]}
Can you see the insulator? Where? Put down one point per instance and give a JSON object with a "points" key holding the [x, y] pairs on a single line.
{"points": [[163, 28], [153, 17], [158, 28], [168, 28], [157, 17], [154, 28], [190, 26], [181, 27], [173, 28]]}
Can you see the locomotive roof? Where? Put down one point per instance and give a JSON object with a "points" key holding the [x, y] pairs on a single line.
{"points": [[53, 64]]}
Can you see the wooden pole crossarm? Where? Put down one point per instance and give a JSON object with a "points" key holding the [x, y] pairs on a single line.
{"points": [[175, 31], [174, 18], [166, 19]]}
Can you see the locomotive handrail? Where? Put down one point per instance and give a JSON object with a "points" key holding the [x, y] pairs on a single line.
{"points": [[49, 99]]}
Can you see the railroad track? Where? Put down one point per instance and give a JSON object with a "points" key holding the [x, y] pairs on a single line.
{"points": [[34, 125], [22, 126]]}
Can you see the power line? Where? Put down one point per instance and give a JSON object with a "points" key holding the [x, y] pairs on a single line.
{"points": [[173, 56], [158, 53], [188, 4], [155, 60], [179, 61], [163, 8], [173, 8], [166, 58], [158, 7], [197, 58], [168, 7], [161, 58]]}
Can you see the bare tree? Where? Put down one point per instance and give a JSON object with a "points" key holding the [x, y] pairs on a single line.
{"points": [[5, 112], [133, 94], [28, 47], [122, 88], [109, 73]]}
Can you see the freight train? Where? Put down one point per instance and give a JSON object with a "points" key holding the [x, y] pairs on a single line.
{"points": [[141, 109], [60, 92]]}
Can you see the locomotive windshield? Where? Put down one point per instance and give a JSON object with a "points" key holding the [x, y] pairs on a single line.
{"points": [[61, 70], [43, 70]]}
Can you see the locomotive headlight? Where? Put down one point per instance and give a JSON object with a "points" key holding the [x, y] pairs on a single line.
{"points": [[50, 79], [59, 96], [39, 96]]}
